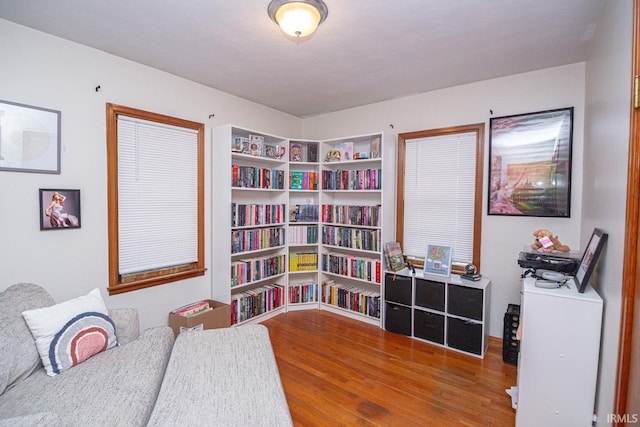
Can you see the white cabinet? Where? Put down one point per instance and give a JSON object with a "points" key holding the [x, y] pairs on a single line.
{"points": [[559, 351]]}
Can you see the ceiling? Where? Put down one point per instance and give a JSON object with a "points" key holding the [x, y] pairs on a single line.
{"points": [[366, 51]]}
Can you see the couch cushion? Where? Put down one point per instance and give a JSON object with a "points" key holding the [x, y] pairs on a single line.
{"points": [[113, 388], [71, 332], [18, 340], [225, 377]]}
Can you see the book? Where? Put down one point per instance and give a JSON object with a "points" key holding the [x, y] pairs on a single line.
{"points": [[295, 152], [375, 148], [393, 256], [312, 153]]}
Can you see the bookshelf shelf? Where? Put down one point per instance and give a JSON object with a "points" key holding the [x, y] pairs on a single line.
{"points": [[293, 186]]}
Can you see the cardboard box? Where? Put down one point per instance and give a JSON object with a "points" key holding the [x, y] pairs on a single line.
{"points": [[219, 317]]}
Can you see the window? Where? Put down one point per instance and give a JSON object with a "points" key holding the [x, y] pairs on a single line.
{"points": [[155, 167], [439, 193]]}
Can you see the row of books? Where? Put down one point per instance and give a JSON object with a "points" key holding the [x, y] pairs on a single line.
{"points": [[303, 261], [299, 180], [193, 309], [256, 177], [303, 213], [254, 302], [303, 234], [370, 216], [301, 292], [351, 298], [363, 179], [353, 238], [255, 239], [254, 269], [352, 266], [256, 214]]}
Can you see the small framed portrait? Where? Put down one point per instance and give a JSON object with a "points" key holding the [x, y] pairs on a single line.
{"points": [[236, 146], [255, 144], [59, 209]]}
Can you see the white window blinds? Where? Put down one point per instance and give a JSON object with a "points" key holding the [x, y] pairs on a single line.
{"points": [[157, 195], [439, 194]]}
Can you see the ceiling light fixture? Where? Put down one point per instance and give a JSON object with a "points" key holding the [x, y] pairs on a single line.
{"points": [[298, 18]]}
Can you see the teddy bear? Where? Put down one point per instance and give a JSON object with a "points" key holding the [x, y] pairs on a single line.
{"points": [[546, 242]]}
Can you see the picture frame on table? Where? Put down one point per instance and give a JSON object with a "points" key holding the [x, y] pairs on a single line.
{"points": [[29, 138], [590, 259], [437, 260], [530, 164], [59, 209]]}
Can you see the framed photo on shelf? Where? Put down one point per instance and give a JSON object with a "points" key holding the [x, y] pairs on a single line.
{"points": [[255, 145], [590, 259], [530, 164], [438, 260], [236, 146], [270, 151], [29, 138], [59, 209]]}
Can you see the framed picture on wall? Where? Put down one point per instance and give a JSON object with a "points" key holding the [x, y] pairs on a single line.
{"points": [[530, 164], [59, 209], [29, 138]]}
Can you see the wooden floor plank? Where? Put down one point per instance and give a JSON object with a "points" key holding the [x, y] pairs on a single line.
{"points": [[340, 372]]}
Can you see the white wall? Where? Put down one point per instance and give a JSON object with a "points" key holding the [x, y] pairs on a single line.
{"points": [[608, 75], [45, 71], [502, 237]]}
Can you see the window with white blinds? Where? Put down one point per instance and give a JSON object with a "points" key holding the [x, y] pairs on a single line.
{"points": [[441, 194], [156, 187], [157, 195]]}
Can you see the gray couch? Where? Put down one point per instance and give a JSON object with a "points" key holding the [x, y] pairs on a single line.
{"points": [[225, 377]]}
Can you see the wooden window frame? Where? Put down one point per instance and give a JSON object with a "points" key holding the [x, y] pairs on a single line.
{"points": [[117, 283], [479, 129]]}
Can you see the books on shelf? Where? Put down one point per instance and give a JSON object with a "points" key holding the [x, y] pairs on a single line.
{"points": [[303, 213], [364, 179], [353, 238], [254, 302], [356, 267], [303, 235], [303, 292], [301, 180], [351, 298], [368, 216], [256, 214], [303, 261], [393, 256]]}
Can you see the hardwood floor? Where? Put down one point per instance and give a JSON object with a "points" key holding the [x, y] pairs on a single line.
{"points": [[341, 372]]}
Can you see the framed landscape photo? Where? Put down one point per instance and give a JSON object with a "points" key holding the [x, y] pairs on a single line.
{"points": [[530, 164], [59, 209], [29, 138], [438, 260]]}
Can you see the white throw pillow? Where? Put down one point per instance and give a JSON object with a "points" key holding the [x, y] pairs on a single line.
{"points": [[69, 333]]}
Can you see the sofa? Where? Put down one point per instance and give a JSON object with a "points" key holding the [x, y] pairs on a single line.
{"points": [[226, 377]]}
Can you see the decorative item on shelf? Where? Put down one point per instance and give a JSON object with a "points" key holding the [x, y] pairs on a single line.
{"points": [[298, 18], [246, 145], [271, 151], [293, 213], [545, 241], [346, 151], [438, 260], [295, 151], [375, 148], [312, 153], [281, 150], [360, 155], [236, 146], [470, 274], [393, 256], [255, 145], [332, 156]]}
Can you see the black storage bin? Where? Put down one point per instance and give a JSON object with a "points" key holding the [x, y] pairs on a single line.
{"points": [[465, 302], [464, 335], [510, 345], [430, 294], [397, 288], [397, 318], [428, 326]]}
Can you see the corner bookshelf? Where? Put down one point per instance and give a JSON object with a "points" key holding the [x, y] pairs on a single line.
{"points": [[304, 218], [303, 229], [250, 218], [351, 263]]}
